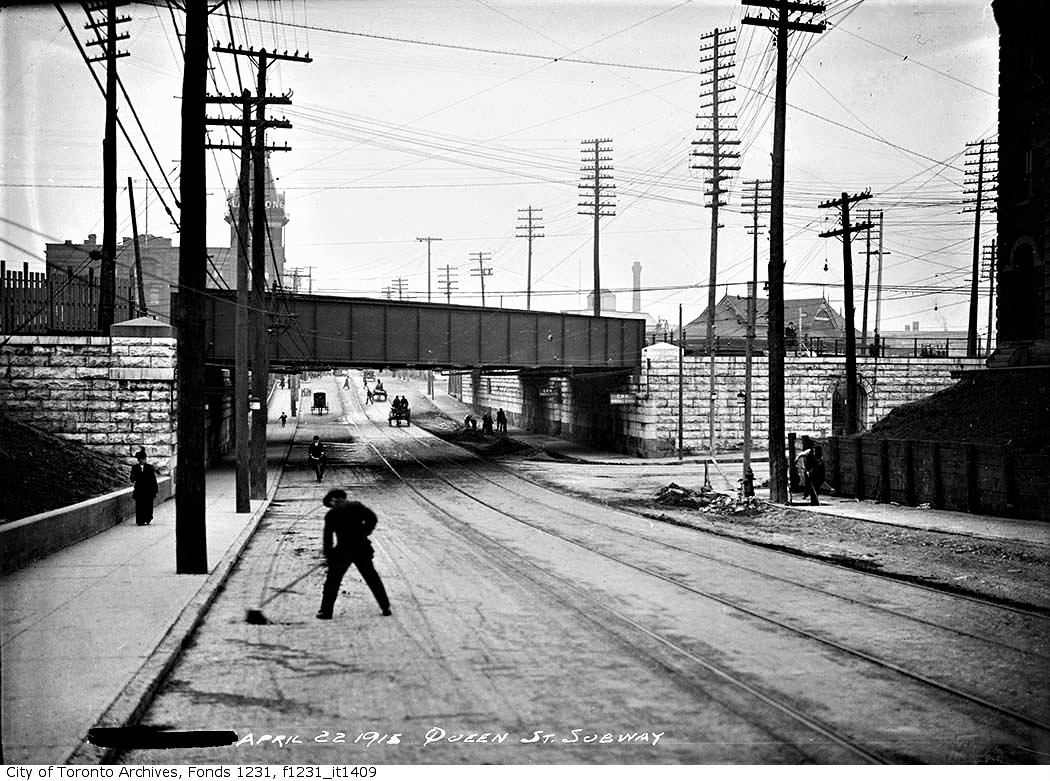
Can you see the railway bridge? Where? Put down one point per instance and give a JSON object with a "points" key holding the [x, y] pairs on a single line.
{"points": [[314, 332]]}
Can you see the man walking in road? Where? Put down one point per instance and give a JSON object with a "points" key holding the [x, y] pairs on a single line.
{"points": [[315, 454], [349, 523]]}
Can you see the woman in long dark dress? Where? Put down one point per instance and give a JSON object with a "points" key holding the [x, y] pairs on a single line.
{"points": [[144, 478]]}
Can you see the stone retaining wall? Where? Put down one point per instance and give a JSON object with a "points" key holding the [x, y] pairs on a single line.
{"points": [[645, 423], [111, 394]]}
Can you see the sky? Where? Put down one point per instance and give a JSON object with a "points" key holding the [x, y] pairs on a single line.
{"points": [[444, 119]]}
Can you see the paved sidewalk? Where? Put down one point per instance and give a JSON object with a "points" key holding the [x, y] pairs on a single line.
{"points": [[87, 631]]}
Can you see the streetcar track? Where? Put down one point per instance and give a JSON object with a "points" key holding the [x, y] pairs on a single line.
{"points": [[752, 570], [982, 702], [793, 713]]}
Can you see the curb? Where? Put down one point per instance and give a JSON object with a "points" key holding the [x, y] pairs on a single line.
{"points": [[138, 694]]}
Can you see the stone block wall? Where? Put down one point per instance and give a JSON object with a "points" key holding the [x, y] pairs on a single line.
{"points": [[111, 394], [647, 425]]}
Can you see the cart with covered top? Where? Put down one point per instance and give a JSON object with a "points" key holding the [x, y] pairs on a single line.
{"points": [[320, 406], [379, 394]]}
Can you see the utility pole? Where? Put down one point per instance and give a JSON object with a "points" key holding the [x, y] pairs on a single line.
{"points": [[482, 270], [107, 277], [981, 174], [758, 205], [782, 24], [241, 408], [140, 310], [718, 49], [428, 240], [878, 289], [191, 551], [847, 284], [598, 198], [448, 282], [529, 223], [388, 292], [400, 285], [867, 280], [988, 268], [257, 314]]}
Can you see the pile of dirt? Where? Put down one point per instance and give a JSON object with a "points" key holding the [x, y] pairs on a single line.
{"points": [[674, 495], [996, 407], [43, 472]]}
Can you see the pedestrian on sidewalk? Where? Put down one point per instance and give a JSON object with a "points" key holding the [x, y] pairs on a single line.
{"points": [[811, 470], [315, 455], [284, 419], [501, 421], [368, 395], [144, 478], [349, 523], [486, 424]]}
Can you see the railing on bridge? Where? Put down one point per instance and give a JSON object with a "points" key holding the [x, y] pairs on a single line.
{"points": [[37, 303]]}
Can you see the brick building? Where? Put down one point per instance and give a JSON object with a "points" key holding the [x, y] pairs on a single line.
{"points": [[160, 260]]}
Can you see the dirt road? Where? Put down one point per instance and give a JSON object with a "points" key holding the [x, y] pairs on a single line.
{"points": [[531, 626]]}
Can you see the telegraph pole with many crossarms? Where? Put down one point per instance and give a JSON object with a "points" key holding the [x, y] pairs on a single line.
{"points": [[448, 282], [782, 24], [530, 223], [718, 49], [981, 175], [597, 194]]}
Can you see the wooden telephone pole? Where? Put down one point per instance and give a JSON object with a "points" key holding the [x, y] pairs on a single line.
{"points": [[428, 240], [988, 268], [191, 552], [845, 231], [782, 24], [108, 269], [597, 197], [482, 270], [448, 282], [529, 223], [718, 49], [758, 205], [258, 316], [981, 175]]}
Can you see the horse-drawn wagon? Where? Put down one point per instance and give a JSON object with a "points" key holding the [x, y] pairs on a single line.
{"points": [[320, 406]]}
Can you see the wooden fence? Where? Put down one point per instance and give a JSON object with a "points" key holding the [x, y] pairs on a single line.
{"points": [[37, 303], [976, 478]]}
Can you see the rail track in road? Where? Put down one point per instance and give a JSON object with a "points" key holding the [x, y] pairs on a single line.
{"points": [[556, 519]]}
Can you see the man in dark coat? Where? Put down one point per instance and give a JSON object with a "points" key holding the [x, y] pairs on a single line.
{"points": [[316, 456], [144, 478], [349, 523]]}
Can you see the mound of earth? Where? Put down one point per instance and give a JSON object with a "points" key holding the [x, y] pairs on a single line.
{"points": [[43, 472], [995, 407]]}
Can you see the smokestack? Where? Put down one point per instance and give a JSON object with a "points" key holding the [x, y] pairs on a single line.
{"points": [[636, 300]]}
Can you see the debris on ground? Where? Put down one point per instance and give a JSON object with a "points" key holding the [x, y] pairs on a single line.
{"points": [[707, 499]]}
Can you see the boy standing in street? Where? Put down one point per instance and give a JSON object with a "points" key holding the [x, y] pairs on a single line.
{"points": [[349, 523]]}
